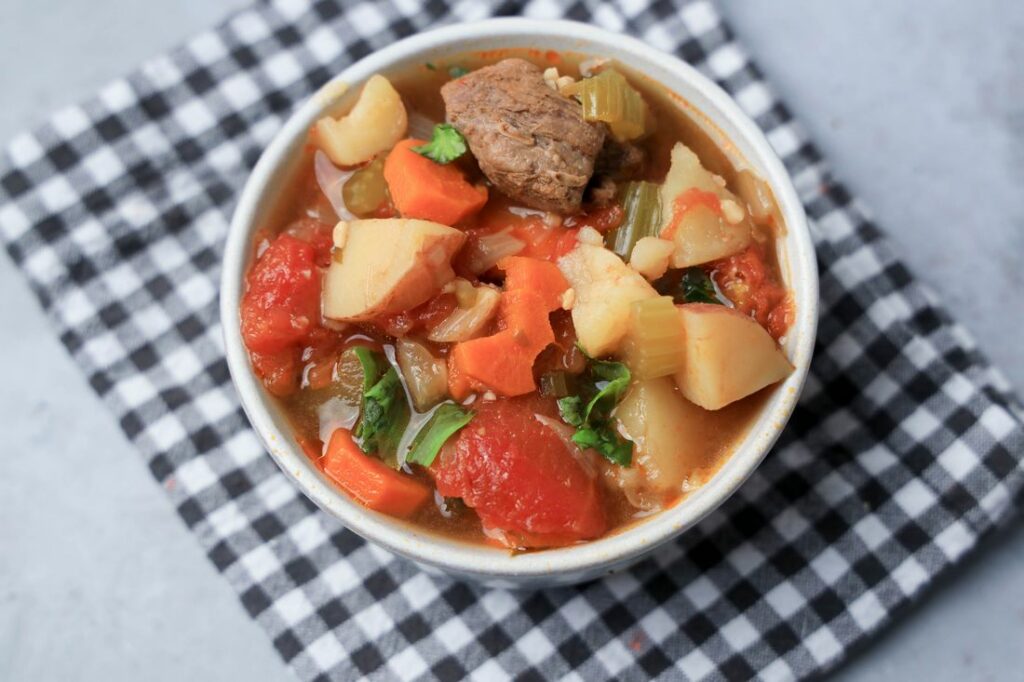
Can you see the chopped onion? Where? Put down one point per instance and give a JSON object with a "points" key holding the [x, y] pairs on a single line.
{"points": [[420, 127], [465, 323], [331, 180], [426, 376], [336, 414], [486, 251]]}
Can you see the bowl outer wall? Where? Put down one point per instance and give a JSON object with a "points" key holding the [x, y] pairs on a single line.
{"points": [[719, 114]]}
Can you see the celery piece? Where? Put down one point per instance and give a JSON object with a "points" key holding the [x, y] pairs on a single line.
{"points": [[610, 98], [653, 346], [366, 190], [641, 208], [557, 384]]}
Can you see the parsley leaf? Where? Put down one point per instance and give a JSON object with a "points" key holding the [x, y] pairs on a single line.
{"points": [[457, 71], [608, 443], [604, 384], [446, 421], [384, 411], [692, 285], [446, 144]]}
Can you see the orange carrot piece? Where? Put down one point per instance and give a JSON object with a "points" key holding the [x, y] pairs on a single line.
{"points": [[525, 314], [538, 276], [421, 188], [504, 361], [495, 362], [369, 480]]}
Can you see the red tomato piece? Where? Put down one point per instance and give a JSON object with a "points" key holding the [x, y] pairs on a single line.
{"points": [[282, 302], [749, 283], [520, 476]]}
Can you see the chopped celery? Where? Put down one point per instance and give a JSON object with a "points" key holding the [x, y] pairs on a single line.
{"points": [[641, 207], [366, 190], [610, 98], [557, 384], [653, 346]]}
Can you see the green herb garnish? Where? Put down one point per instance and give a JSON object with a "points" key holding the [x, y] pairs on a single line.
{"points": [[384, 410], [446, 144], [446, 421], [430, 65], [590, 412], [457, 71], [693, 285]]}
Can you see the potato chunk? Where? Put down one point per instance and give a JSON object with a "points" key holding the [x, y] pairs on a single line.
{"points": [[376, 122], [388, 266], [667, 432], [605, 288], [700, 234], [727, 356]]}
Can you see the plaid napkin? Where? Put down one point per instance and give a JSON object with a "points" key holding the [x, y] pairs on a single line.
{"points": [[904, 452]]}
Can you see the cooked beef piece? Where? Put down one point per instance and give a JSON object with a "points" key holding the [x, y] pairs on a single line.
{"points": [[619, 160], [530, 141]]}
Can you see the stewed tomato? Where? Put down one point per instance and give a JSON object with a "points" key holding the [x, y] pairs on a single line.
{"points": [[520, 476]]}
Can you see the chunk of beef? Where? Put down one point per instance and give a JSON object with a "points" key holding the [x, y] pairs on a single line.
{"points": [[529, 140]]}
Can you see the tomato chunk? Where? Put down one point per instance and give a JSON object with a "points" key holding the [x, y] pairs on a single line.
{"points": [[281, 310], [748, 282], [521, 477]]}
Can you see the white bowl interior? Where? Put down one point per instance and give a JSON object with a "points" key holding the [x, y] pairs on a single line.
{"points": [[721, 118]]}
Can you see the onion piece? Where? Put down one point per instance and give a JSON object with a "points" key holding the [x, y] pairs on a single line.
{"points": [[426, 376], [331, 180], [420, 127], [485, 252], [336, 414], [465, 323]]}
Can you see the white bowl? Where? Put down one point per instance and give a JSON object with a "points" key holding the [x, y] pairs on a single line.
{"points": [[719, 114]]}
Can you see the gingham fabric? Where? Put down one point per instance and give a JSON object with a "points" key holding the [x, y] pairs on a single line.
{"points": [[905, 449]]}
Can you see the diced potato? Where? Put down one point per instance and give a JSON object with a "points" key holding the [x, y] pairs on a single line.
{"points": [[727, 356], [703, 236], [467, 322], [388, 266], [605, 288], [700, 234], [651, 256], [426, 375], [666, 431], [376, 122]]}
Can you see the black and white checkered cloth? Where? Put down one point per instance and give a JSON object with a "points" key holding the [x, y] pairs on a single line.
{"points": [[905, 450]]}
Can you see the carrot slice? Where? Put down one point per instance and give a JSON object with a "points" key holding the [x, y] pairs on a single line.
{"points": [[503, 362], [525, 314], [495, 362], [369, 480], [538, 276], [421, 188]]}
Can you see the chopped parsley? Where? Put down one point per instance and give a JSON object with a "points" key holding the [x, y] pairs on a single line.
{"points": [[384, 410], [693, 285], [602, 387], [446, 144], [446, 421]]}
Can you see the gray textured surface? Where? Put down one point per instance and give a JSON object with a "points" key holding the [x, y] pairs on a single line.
{"points": [[920, 107]]}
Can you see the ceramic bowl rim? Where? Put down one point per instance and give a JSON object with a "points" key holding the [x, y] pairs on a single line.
{"points": [[459, 558]]}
